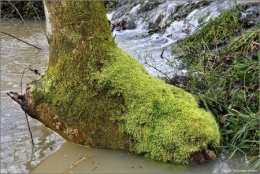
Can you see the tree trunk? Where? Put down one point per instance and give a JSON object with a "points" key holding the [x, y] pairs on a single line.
{"points": [[95, 94]]}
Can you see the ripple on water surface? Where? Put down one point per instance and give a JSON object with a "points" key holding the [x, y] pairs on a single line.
{"points": [[17, 153]]}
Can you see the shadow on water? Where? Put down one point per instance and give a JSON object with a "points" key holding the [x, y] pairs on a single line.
{"points": [[51, 153]]}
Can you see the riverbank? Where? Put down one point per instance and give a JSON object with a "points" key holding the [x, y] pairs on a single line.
{"points": [[222, 63]]}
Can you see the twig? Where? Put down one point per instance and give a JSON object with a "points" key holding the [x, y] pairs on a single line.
{"points": [[29, 128], [33, 70], [26, 116], [94, 169], [255, 43], [70, 167], [40, 22], [162, 54], [21, 40], [21, 83], [200, 73], [22, 19], [154, 67]]}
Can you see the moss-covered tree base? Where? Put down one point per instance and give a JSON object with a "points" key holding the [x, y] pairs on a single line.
{"points": [[95, 94], [128, 109]]}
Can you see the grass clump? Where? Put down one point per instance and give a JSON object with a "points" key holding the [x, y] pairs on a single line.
{"points": [[222, 60], [213, 35]]}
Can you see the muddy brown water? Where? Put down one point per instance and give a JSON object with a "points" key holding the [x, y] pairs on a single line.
{"points": [[51, 153], [17, 153]]}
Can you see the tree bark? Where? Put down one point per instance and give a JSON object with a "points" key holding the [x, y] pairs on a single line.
{"points": [[95, 94]]}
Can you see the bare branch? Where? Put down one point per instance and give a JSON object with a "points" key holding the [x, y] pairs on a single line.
{"points": [[26, 116], [21, 40], [154, 67], [20, 99], [38, 17], [24, 100], [16, 97], [22, 19]]}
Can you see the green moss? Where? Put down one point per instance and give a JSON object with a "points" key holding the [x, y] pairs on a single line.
{"points": [[163, 122], [92, 83], [158, 115]]}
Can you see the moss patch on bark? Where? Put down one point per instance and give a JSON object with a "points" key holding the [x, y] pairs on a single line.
{"points": [[108, 95]]}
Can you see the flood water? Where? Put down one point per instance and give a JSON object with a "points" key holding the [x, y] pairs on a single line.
{"points": [[17, 153], [51, 153]]}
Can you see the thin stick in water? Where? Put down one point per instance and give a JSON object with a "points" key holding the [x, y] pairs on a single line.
{"points": [[94, 169], [70, 167], [20, 40], [29, 128]]}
